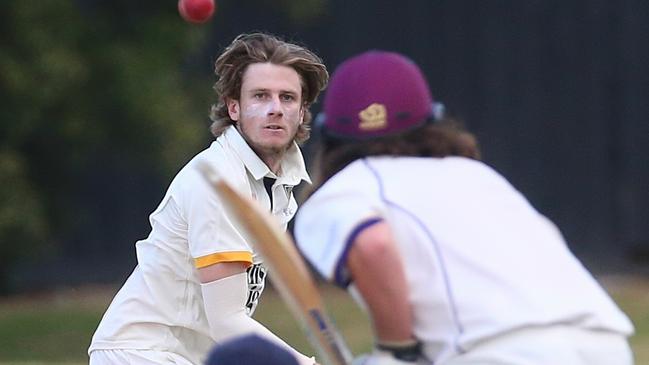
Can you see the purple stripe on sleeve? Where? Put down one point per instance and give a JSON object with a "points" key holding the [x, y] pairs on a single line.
{"points": [[341, 274]]}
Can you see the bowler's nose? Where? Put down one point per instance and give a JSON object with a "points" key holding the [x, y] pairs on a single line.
{"points": [[275, 108]]}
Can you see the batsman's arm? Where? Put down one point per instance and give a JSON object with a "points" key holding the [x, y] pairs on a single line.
{"points": [[377, 272]]}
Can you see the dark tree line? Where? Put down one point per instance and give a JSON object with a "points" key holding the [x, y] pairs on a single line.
{"points": [[102, 101]]}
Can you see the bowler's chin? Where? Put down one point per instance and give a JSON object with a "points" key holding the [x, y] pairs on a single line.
{"points": [[276, 147], [278, 142]]}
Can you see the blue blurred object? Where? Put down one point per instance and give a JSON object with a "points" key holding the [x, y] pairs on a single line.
{"points": [[250, 350]]}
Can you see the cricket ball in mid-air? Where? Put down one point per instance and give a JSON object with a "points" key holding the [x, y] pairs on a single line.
{"points": [[196, 11]]}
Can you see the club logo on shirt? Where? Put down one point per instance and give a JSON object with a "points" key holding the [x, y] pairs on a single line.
{"points": [[256, 282]]}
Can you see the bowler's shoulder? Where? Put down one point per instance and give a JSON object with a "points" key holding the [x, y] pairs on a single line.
{"points": [[219, 157], [213, 158]]}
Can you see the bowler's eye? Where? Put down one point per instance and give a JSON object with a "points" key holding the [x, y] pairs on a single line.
{"points": [[288, 97]]}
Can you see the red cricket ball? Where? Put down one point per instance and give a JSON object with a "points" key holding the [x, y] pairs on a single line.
{"points": [[196, 11]]}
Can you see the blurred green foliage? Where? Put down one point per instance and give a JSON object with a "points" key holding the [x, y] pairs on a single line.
{"points": [[84, 84]]}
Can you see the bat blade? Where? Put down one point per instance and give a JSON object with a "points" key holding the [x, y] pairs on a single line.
{"points": [[289, 273]]}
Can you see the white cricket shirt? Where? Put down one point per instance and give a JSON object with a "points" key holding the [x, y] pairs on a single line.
{"points": [[160, 307], [480, 260]]}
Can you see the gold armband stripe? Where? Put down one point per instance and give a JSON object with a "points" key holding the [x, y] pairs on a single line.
{"points": [[215, 258]]}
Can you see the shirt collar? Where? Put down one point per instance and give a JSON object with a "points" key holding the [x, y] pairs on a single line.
{"points": [[293, 166]]}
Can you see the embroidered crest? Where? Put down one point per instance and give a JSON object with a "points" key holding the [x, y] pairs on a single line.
{"points": [[373, 117]]}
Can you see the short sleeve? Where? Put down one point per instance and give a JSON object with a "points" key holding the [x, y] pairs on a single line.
{"points": [[331, 218], [212, 234]]}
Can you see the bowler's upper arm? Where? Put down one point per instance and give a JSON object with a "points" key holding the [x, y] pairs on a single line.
{"points": [[221, 270]]}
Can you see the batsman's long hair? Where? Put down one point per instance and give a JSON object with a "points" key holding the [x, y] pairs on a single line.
{"points": [[252, 48], [441, 138]]}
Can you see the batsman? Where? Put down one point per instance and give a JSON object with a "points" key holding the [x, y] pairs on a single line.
{"points": [[453, 264], [198, 279]]}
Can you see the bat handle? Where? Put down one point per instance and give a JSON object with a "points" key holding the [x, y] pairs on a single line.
{"points": [[331, 344]]}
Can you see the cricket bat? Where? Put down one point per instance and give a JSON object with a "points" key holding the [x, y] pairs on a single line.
{"points": [[288, 272]]}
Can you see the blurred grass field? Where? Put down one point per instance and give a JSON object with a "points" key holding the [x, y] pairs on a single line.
{"points": [[55, 328]]}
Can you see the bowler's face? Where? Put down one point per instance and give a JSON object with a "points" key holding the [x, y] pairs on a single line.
{"points": [[269, 110]]}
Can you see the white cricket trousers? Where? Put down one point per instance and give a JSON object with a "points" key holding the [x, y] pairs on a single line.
{"points": [[557, 345], [136, 357]]}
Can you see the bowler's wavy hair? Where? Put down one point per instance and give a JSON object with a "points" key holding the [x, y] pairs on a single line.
{"points": [[252, 48]]}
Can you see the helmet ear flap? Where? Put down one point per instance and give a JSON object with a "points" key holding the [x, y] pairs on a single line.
{"points": [[439, 110], [319, 125]]}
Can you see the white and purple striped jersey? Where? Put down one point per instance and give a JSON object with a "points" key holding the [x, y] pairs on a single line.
{"points": [[480, 261]]}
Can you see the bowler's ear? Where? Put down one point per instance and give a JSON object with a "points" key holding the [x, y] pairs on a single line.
{"points": [[302, 110], [233, 109]]}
